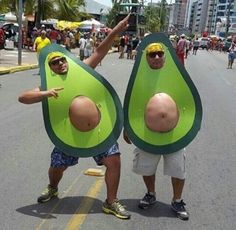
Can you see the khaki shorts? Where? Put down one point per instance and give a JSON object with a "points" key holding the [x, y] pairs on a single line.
{"points": [[145, 163]]}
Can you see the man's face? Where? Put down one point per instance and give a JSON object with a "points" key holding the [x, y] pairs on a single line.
{"points": [[156, 60], [59, 65]]}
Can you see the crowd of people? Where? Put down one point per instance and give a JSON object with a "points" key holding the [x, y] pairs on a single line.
{"points": [[184, 46], [128, 46], [128, 43], [87, 42]]}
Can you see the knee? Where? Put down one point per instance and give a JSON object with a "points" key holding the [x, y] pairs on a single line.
{"points": [[112, 162]]}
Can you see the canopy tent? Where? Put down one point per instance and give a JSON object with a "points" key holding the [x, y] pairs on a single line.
{"points": [[89, 24], [50, 21], [10, 17]]}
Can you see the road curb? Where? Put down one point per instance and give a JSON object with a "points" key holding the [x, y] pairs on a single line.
{"points": [[5, 70]]}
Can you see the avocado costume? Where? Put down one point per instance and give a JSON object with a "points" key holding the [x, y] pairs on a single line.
{"points": [[171, 79], [79, 80]]}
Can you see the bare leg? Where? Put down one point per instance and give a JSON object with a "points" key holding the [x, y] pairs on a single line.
{"points": [[112, 176], [231, 64], [55, 175], [178, 185], [150, 183]]}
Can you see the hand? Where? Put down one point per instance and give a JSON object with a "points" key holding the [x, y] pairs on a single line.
{"points": [[126, 138], [122, 25], [53, 92]]}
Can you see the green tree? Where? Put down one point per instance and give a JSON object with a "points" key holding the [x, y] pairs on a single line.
{"points": [[44, 9], [163, 14], [152, 16], [69, 10], [111, 17], [60, 9], [156, 16]]}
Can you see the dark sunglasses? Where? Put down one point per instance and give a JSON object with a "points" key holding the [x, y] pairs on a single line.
{"points": [[154, 54], [57, 61]]}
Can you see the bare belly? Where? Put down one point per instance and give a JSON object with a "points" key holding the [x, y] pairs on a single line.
{"points": [[161, 113], [84, 114]]}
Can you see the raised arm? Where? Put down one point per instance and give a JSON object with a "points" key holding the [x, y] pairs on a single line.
{"points": [[104, 47], [36, 95]]}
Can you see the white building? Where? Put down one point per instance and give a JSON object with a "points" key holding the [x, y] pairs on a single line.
{"points": [[212, 16]]}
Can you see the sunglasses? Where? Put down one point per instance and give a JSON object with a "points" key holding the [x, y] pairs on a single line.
{"points": [[57, 61], [154, 54]]}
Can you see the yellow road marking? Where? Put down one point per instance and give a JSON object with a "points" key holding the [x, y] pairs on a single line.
{"points": [[81, 213]]}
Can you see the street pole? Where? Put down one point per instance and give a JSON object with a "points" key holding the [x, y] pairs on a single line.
{"points": [[161, 19], [137, 15], [228, 19], [20, 32]]}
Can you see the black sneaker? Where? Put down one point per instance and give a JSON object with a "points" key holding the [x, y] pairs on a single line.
{"points": [[147, 201], [179, 209], [48, 194], [117, 209]]}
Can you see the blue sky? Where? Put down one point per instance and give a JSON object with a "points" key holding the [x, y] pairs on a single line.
{"points": [[108, 2]]}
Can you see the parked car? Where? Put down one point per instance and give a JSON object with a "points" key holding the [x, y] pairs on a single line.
{"points": [[11, 31], [204, 43]]}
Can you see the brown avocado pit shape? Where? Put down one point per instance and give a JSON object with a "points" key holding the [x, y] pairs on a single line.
{"points": [[161, 113], [84, 114]]}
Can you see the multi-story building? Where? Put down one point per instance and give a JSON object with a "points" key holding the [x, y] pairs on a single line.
{"points": [[201, 16], [192, 19], [179, 13], [225, 17], [212, 16]]}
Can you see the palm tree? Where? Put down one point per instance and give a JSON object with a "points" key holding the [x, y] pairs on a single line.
{"points": [[60, 9], [152, 15], [111, 17], [44, 9], [163, 13], [156, 17]]}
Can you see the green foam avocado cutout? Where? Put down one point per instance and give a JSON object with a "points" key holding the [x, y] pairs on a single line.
{"points": [[79, 80], [171, 79]]}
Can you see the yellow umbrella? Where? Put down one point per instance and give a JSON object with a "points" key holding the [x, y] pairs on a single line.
{"points": [[61, 25]]}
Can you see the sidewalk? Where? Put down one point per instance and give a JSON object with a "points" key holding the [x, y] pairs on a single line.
{"points": [[9, 60]]}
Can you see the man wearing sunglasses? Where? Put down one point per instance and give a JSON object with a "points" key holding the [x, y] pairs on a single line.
{"points": [[58, 64], [155, 56], [59, 160], [161, 115]]}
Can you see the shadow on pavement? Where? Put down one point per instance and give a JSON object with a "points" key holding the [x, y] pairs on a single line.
{"points": [[69, 205]]}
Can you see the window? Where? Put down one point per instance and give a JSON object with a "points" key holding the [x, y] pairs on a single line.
{"points": [[220, 13], [221, 7]]}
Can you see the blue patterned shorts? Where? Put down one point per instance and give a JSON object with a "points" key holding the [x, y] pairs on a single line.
{"points": [[60, 159]]}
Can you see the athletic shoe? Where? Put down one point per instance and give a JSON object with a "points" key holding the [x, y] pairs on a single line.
{"points": [[147, 201], [117, 209], [179, 209], [48, 194]]}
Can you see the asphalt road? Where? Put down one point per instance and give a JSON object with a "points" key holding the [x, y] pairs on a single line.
{"points": [[210, 189]]}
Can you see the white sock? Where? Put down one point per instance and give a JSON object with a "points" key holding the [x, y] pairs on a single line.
{"points": [[152, 193], [177, 200]]}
